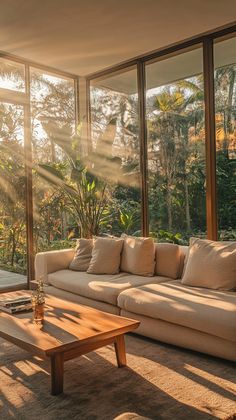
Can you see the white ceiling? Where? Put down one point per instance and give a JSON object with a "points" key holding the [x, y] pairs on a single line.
{"points": [[168, 70], [82, 37]]}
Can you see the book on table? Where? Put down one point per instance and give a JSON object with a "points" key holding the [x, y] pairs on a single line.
{"points": [[17, 309], [14, 305]]}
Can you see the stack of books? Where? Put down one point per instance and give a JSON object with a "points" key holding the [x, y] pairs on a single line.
{"points": [[15, 305]]}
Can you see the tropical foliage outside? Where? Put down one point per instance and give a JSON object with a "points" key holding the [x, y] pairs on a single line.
{"points": [[98, 192]]}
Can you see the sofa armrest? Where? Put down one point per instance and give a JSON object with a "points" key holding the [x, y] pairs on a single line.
{"points": [[51, 261]]}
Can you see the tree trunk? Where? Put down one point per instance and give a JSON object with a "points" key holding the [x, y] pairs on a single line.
{"points": [[228, 114], [230, 103], [187, 212], [13, 249], [169, 208]]}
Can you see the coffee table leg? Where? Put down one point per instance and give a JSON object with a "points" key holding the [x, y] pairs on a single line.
{"points": [[120, 350], [57, 373]]}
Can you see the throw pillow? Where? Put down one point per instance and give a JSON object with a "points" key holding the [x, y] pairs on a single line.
{"points": [[106, 256], [83, 254], [167, 260], [138, 256], [211, 264]]}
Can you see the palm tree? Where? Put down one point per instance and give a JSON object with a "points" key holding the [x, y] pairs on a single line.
{"points": [[173, 108]]}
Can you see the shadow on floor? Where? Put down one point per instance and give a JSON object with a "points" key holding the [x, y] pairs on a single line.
{"points": [[161, 382]]}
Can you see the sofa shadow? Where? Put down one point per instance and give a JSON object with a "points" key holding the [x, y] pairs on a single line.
{"points": [[188, 363]]}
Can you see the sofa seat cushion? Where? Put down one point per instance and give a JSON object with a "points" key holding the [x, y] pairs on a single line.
{"points": [[105, 287], [209, 311]]}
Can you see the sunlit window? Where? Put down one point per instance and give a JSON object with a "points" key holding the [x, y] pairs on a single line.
{"points": [[225, 107], [53, 127], [114, 150], [176, 147]]}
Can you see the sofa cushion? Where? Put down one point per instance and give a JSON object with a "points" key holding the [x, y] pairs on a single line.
{"points": [[182, 336], [211, 264], [138, 256], [167, 260], [105, 287], [82, 300], [106, 256], [83, 254], [183, 259], [209, 311]]}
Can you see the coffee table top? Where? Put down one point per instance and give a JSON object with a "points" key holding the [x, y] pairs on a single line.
{"points": [[66, 326]]}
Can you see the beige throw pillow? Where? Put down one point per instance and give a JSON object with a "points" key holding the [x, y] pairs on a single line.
{"points": [[138, 256], [106, 256], [211, 264], [167, 260], [83, 255]]}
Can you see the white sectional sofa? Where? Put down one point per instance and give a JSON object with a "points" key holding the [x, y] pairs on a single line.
{"points": [[191, 317]]}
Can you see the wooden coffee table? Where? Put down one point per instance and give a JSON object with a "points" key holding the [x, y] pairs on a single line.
{"points": [[69, 330]]}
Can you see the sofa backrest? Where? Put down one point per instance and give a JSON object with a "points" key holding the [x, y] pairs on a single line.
{"points": [[170, 260]]}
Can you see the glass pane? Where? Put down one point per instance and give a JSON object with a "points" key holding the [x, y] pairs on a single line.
{"points": [[176, 147], [53, 126], [12, 75], [114, 150], [225, 108], [12, 203]]}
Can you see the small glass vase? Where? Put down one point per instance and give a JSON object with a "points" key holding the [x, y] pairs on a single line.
{"points": [[38, 301], [39, 313]]}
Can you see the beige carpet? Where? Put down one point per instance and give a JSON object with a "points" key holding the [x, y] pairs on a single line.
{"points": [[162, 382]]}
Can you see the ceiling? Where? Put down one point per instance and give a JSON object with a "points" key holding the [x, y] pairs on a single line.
{"points": [[82, 37], [166, 71]]}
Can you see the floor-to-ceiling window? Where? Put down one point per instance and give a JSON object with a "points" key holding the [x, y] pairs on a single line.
{"points": [[53, 127], [184, 190], [114, 151], [176, 146], [37, 128], [12, 174], [225, 113]]}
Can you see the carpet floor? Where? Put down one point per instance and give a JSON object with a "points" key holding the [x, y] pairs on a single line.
{"points": [[161, 382]]}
